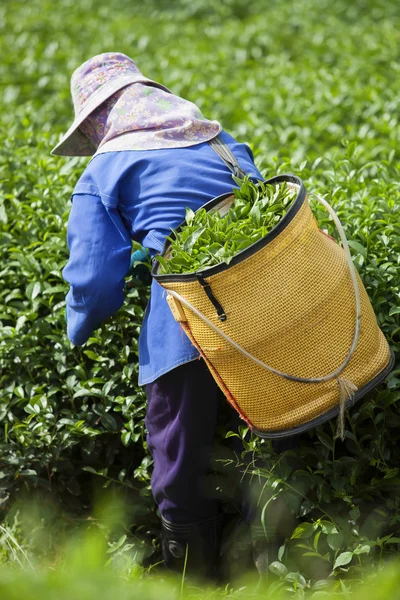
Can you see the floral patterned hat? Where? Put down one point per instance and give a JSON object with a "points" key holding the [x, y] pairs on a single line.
{"points": [[91, 84]]}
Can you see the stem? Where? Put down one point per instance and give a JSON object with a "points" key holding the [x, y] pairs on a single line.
{"points": [[184, 573]]}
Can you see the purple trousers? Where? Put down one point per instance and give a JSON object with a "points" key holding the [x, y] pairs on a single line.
{"points": [[182, 415]]}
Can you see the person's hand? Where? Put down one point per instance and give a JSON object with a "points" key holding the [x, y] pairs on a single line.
{"points": [[140, 268]]}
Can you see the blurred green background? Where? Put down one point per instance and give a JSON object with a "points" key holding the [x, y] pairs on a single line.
{"points": [[314, 88]]}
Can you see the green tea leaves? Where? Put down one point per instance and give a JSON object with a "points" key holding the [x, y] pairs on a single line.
{"points": [[212, 238]]}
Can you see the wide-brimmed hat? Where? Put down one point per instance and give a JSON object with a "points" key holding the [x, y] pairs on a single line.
{"points": [[91, 85]]}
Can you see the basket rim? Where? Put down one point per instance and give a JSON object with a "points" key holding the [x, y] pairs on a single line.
{"points": [[247, 252]]}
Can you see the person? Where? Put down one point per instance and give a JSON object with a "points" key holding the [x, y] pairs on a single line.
{"points": [[151, 158]]}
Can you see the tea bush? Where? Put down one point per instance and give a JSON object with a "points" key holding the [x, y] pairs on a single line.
{"points": [[90, 564], [86, 566], [315, 88]]}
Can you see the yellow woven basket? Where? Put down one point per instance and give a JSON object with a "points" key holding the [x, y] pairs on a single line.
{"points": [[286, 329]]}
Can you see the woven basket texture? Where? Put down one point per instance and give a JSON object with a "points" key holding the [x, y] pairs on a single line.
{"points": [[291, 304]]}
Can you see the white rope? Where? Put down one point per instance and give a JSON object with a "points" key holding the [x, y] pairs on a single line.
{"points": [[356, 335]]}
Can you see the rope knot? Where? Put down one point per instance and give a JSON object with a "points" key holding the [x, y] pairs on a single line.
{"points": [[347, 389]]}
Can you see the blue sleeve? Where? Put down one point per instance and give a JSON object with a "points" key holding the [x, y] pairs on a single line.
{"points": [[100, 249]]}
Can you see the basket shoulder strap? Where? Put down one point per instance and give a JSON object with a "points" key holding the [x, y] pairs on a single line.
{"points": [[219, 146]]}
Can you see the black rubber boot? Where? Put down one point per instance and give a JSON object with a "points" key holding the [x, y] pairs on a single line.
{"points": [[197, 544]]}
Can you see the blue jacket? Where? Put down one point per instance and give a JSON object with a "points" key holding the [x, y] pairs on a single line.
{"points": [[137, 195]]}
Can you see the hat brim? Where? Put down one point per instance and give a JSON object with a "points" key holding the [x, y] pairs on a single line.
{"points": [[75, 142]]}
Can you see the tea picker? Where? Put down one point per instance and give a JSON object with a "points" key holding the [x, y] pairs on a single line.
{"points": [[153, 155]]}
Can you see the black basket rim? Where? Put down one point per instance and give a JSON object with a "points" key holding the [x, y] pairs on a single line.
{"points": [[250, 250]]}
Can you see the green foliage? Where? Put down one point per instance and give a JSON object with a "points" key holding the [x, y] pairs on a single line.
{"points": [[314, 87], [62, 408], [211, 237], [95, 561]]}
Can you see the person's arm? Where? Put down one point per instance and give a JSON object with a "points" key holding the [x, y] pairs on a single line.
{"points": [[100, 249]]}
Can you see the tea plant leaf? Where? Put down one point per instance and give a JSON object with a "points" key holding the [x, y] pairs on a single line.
{"points": [[279, 569], [343, 559], [358, 247], [302, 531]]}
